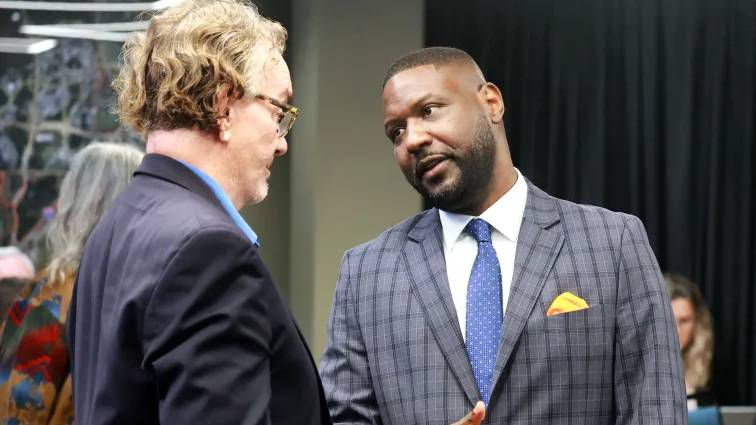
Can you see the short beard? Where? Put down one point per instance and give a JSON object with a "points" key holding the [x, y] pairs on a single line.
{"points": [[475, 165]]}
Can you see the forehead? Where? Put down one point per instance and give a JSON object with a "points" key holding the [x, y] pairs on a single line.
{"points": [[443, 83], [682, 307], [420, 80], [277, 79]]}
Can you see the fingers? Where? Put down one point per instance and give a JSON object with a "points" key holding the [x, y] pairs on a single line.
{"points": [[475, 417]]}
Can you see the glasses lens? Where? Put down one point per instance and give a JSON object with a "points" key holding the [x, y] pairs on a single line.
{"points": [[287, 121]]}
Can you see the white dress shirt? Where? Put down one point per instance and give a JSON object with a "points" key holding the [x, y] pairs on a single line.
{"points": [[460, 249]]}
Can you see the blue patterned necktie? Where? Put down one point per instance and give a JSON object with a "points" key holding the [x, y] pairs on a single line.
{"points": [[484, 315]]}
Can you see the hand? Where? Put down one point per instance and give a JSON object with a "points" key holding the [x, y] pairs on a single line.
{"points": [[475, 417]]}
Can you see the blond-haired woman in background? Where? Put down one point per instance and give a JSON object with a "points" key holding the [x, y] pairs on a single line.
{"points": [[696, 336]]}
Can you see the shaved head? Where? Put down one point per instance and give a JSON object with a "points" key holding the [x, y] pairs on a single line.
{"points": [[446, 126], [438, 57]]}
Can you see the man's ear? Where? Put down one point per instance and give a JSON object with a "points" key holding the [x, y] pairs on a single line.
{"points": [[223, 106], [494, 102], [224, 128]]}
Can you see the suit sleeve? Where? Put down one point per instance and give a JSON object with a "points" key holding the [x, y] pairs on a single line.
{"points": [[648, 384], [345, 371], [207, 338]]}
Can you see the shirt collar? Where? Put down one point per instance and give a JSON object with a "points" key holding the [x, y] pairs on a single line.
{"points": [[226, 203], [504, 216]]}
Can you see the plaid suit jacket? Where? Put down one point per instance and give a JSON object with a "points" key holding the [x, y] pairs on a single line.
{"points": [[395, 353]]}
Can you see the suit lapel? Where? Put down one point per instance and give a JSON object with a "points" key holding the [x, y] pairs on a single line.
{"points": [[424, 255], [538, 245]]}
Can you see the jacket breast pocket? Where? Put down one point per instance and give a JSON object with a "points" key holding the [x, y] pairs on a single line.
{"points": [[583, 333]]}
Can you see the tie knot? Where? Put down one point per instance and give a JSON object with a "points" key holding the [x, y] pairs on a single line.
{"points": [[479, 229]]}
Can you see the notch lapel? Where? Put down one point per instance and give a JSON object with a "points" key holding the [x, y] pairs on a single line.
{"points": [[424, 259], [538, 245]]}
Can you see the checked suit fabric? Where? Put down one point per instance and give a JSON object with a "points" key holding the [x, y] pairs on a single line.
{"points": [[396, 354]]}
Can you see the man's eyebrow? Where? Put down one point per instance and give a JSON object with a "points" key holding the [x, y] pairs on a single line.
{"points": [[421, 99], [391, 123], [412, 106]]}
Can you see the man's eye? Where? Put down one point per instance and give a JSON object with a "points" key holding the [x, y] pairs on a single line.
{"points": [[428, 110], [395, 134]]}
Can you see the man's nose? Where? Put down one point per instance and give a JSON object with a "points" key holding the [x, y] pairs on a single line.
{"points": [[417, 136], [282, 146]]}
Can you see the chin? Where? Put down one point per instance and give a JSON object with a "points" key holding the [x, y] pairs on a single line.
{"points": [[446, 189], [259, 193], [450, 197]]}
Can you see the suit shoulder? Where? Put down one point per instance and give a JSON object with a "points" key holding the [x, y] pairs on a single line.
{"points": [[164, 207], [572, 211], [544, 208], [594, 223], [393, 238], [159, 219]]}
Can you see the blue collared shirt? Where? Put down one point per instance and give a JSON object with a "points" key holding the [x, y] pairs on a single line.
{"points": [[227, 204]]}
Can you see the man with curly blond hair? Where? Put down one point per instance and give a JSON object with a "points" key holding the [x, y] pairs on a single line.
{"points": [[175, 318]]}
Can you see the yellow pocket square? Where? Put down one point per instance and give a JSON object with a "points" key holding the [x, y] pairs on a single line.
{"points": [[565, 303]]}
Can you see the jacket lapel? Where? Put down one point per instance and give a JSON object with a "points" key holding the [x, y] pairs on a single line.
{"points": [[538, 245], [424, 255]]}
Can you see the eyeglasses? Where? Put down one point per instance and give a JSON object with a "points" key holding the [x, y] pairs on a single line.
{"points": [[287, 116]]}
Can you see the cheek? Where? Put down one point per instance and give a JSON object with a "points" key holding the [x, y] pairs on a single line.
{"points": [[401, 157], [264, 146], [686, 334], [453, 131], [406, 164]]}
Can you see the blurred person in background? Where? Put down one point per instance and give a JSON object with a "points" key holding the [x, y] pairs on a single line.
{"points": [[14, 263], [696, 337], [16, 269], [35, 383]]}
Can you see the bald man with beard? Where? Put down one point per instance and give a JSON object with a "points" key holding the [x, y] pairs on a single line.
{"points": [[547, 311]]}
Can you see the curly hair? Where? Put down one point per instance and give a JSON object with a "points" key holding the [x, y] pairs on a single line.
{"points": [[192, 56], [697, 356]]}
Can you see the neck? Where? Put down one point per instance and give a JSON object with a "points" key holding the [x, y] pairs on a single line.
{"points": [[201, 150], [501, 182], [503, 178]]}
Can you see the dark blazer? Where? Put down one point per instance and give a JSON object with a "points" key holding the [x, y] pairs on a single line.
{"points": [[395, 352], [176, 320]]}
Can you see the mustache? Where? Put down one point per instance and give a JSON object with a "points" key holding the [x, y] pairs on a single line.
{"points": [[425, 160]]}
